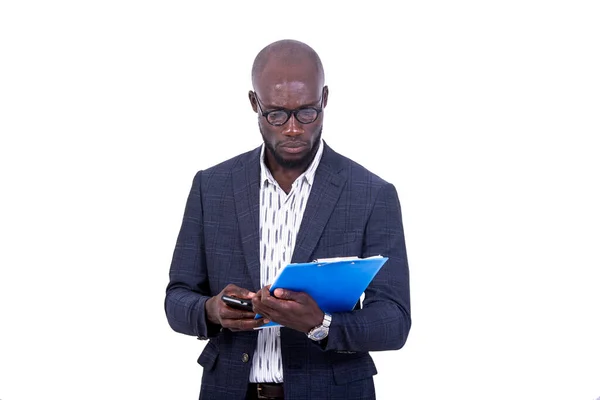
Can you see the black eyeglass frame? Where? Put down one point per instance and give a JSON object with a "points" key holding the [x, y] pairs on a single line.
{"points": [[290, 112]]}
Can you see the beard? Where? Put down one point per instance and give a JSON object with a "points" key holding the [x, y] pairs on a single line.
{"points": [[300, 163]]}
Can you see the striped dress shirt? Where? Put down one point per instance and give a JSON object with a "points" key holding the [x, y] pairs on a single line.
{"points": [[280, 217]]}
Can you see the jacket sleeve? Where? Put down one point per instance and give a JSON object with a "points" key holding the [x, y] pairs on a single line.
{"points": [[384, 321], [188, 287]]}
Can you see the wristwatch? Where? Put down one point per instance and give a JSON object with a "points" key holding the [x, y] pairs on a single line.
{"points": [[320, 332]]}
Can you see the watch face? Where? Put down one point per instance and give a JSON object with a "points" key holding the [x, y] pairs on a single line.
{"points": [[320, 333]]}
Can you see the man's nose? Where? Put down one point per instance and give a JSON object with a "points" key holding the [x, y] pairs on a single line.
{"points": [[292, 127]]}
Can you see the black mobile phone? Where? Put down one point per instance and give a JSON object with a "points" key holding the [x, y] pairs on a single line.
{"points": [[235, 302]]}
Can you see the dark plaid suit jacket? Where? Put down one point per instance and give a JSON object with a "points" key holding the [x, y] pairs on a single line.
{"points": [[350, 211]]}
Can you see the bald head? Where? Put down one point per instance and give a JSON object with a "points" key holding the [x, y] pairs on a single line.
{"points": [[288, 80], [287, 59]]}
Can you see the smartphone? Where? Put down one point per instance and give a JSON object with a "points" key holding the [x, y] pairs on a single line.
{"points": [[235, 302]]}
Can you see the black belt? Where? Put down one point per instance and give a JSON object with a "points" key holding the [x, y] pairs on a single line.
{"points": [[272, 391]]}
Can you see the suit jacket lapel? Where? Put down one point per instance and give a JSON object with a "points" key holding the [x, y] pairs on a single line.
{"points": [[324, 195], [246, 191]]}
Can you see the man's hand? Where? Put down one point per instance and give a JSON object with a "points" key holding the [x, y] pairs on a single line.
{"points": [[296, 310], [231, 318]]}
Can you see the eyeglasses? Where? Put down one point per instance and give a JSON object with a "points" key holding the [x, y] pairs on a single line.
{"points": [[278, 117]]}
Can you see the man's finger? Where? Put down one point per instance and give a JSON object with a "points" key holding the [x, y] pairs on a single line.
{"points": [[230, 312], [243, 293], [263, 309], [246, 294], [234, 290], [233, 313], [248, 325], [286, 294]]}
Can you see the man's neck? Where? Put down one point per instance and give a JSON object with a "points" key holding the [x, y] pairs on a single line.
{"points": [[285, 177]]}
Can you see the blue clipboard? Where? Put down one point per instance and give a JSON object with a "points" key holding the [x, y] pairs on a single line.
{"points": [[336, 284]]}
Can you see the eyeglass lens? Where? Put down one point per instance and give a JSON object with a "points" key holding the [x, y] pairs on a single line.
{"points": [[304, 115]]}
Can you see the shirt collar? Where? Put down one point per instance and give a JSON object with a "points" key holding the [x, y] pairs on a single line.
{"points": [[308, 175]]}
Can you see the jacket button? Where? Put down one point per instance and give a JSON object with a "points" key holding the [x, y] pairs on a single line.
{"points": [[245, 357]]}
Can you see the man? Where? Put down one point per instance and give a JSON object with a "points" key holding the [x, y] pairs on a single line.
{"points": [[291, 200]]}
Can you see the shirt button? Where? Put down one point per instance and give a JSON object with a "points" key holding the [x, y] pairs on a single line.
{"points": [[278, 332], [245, 357]]}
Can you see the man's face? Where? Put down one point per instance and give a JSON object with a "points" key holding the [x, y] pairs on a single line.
{"points": [[293, 144]]}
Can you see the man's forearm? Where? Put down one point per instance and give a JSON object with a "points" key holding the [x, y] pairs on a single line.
{"points": [[377, 328], [186, 313]]}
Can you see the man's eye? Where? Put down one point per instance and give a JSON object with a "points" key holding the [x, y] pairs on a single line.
{"points": [[306, 115], [277, 116]]}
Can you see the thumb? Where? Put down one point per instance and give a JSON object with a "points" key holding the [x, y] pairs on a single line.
{"points": [[245, 293], [284, 294]]}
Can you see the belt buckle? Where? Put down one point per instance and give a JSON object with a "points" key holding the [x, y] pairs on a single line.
{"points": [[259, 392], [259, 395]]}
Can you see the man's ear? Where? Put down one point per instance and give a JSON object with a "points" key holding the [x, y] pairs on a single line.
{"points": [[325, 95], [252, 98]]}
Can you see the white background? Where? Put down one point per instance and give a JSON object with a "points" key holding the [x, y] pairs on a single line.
{"points": [[485, 115]]}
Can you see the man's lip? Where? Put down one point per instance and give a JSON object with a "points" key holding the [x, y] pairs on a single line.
{"points": [[293, 147]]}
